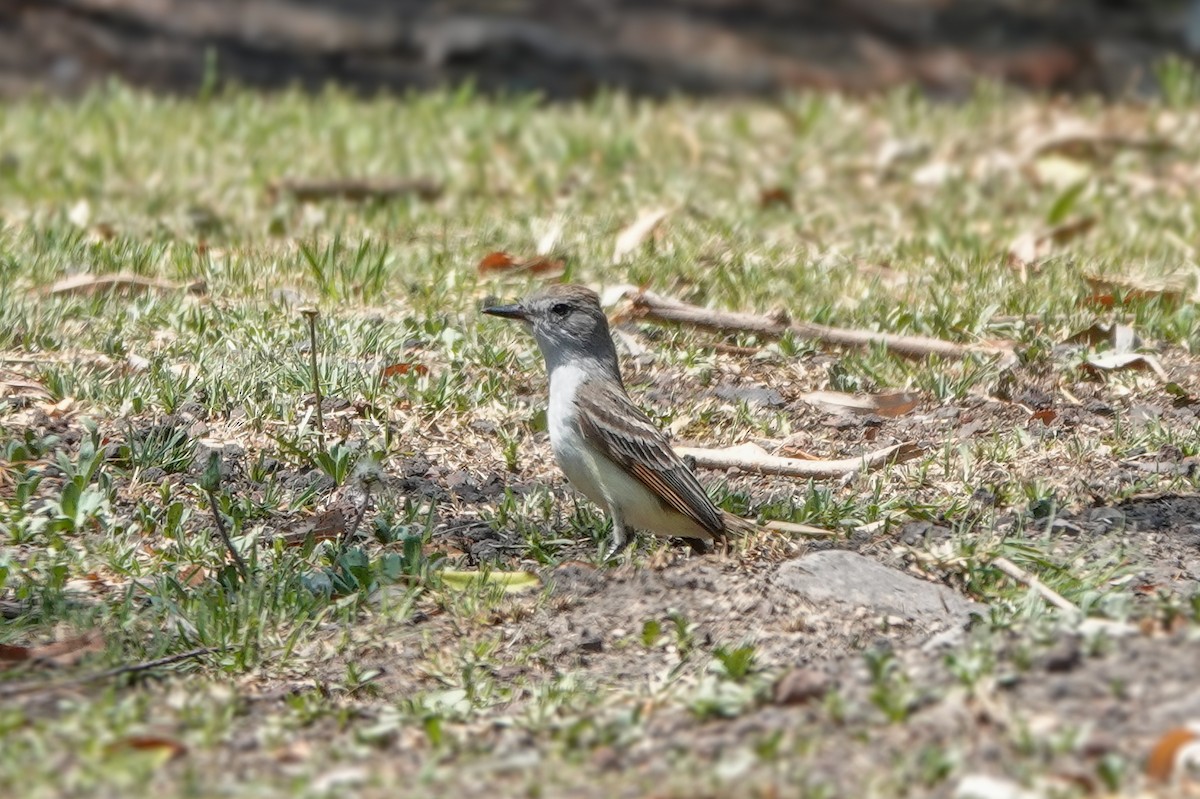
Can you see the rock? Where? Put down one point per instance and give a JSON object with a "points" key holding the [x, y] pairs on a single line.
{"points": [[980, 786], [154, 474], [590, 642], [751, 395], [1064, 656], [799, 686], [851, 579]]}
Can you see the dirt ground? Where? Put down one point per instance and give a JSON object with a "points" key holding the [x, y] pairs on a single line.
{"points": [[1107, 693]]}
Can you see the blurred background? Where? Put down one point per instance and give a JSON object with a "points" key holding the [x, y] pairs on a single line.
{"points": [[569, 48]]}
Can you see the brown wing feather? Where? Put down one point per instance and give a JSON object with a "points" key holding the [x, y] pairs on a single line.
{"points": [[628, 437]]}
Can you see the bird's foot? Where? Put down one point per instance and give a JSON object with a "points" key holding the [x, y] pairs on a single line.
{"points": [[620, 542]]}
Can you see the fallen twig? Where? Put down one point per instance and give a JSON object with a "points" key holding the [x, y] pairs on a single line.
{"points": [[16, 689], [655, 308], [795, 528], [128, 283], [307, 190], [753, 458], [1037, 586]]}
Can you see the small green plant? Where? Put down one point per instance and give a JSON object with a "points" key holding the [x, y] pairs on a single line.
{"points": [[354, 571], [337, 462], [890, 689], [736, 663], [651, 632], [1179, 81], [685, 634]]}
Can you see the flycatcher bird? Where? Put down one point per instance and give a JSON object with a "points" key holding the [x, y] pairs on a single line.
{"points": [[607, 447]]}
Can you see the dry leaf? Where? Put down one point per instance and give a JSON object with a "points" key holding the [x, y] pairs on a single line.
{"points": [[169, 748], [1079, 141], [309, 190], [1029, 249], [1175, 754], [549, 239], [634, 236], [1045, 416], [503, 262], [1172, 289], [193, 576], [1121, 338], [890, 404], [13, 384], [121, 282], [403, 368], [775, 195], [66, 652], [64, 407], [1117, 361], [510, 582], [80, 214], [329, 525]]}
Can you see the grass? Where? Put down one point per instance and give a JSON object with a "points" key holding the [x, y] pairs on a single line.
{"points": [[357, 666]]}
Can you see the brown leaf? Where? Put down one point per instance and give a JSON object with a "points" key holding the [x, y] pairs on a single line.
{"points": [[1029, 249], [330, 525], [1117, 361], [774, 195], [1175, 750], [121, 282], [1099, 299], [309, 190], [13, 384], [170, 748], [1172, 290], [503, 262], [1083, 142], [1045, 416], [403, 368], [891, 404], [193, 575], [636, 234], [66, 652]]}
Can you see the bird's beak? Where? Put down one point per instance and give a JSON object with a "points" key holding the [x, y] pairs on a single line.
{"points": [[514, 311]]}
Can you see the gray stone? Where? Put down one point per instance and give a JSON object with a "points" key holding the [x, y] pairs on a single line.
{"points": [[851, 579]]}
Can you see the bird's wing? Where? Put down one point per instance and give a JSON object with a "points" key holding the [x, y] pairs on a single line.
{"points": [[627, 436]]}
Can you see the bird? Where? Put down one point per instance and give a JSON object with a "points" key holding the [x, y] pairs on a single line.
{"points": [[607, 447]]}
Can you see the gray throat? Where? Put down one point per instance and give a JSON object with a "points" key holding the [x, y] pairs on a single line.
{"points": [[598, 358]]}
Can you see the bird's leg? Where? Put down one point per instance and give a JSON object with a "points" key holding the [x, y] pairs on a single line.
{"points": [[620, 538]]}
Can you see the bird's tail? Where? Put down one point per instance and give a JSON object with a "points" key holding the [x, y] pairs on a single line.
{"points": [[736, 525]]}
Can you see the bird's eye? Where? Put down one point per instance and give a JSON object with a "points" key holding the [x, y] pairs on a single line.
{"points": [[560, 309]]}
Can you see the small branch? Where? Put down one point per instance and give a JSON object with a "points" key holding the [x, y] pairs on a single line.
{"points": [[755, 459], [652, 307], [220, 521], [1037, 586], [797, 529], [311, 315], [16, 689], [354, 189]]}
